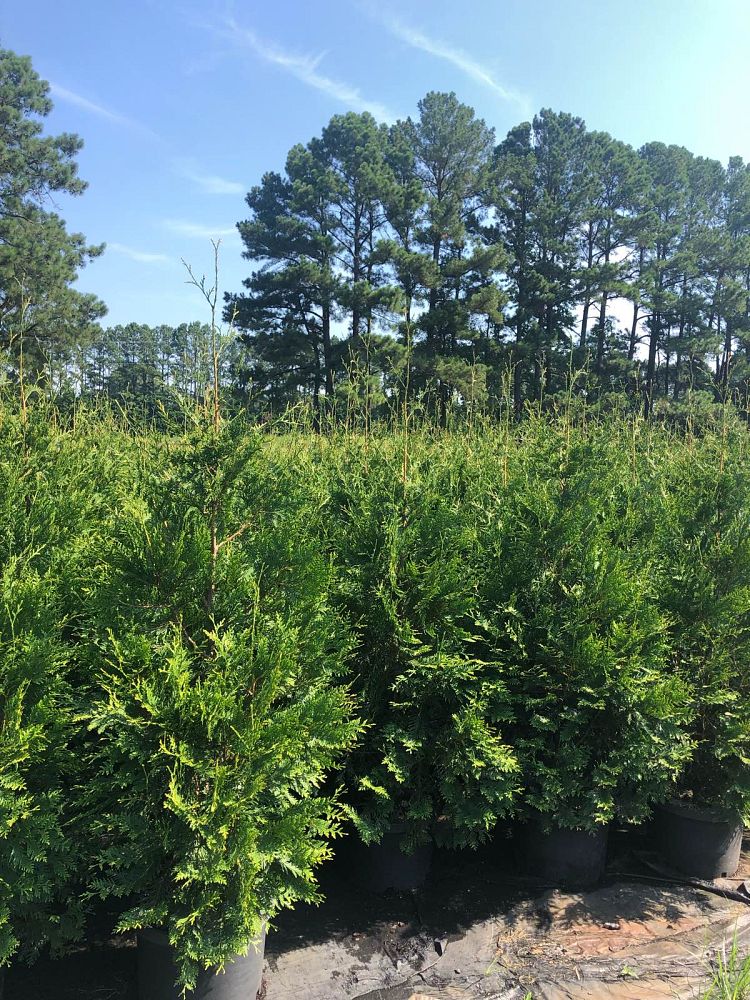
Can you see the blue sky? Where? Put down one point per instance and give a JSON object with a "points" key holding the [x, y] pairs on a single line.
{"points": [[184, 105]]}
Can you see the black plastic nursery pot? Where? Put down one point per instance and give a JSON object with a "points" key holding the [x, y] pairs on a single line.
{"points": [[157, 972], [570, 857], [697, 840], [383, 866]]}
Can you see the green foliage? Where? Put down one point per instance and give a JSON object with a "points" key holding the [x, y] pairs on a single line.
{"points": [[32, 165], [44, 516], [702, 541], [546, 618], [37, 854], [487, 262], [215, 707], [572, 624], [550, 616], [435, 747], [730, 973], [41, 316]]}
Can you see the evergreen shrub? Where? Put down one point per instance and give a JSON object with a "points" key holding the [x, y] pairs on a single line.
{"points": [[44, 507], [435, 755], [701, 542], [572, 626], [216, 704]]}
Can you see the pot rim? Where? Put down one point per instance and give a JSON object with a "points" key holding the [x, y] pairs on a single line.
{"points": [[701, 814], [539, 820]]}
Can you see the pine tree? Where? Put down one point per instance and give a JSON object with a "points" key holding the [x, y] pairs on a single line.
{"points": [[452, 150], [41, 316], [291, 300]]}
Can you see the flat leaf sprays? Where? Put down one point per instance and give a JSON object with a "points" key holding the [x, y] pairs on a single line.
{"points": [[216, 706], [434, 760], [576, 635]]}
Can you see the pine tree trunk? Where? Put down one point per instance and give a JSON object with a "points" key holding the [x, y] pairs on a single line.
{"points": [[680, 335], [327, 359], [600, 334], [636, 309], [633, 332], [356, 277], [651, 366], [602, 313], [517, 379], [587, 299], [432, 299], [318, 384], [584, 320], [727, 358]]}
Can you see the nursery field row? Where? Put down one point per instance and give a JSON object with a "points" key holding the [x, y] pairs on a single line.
{"points": [[224, 647]]}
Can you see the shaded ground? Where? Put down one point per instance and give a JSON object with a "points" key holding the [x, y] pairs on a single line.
{"points": [[477, 930]]}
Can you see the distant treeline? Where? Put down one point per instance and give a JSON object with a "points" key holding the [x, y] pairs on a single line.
{"points": [[485, 257], [150, 366], [422, 260]]}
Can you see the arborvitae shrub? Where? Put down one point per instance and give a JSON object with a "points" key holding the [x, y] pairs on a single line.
{"points": [[550, 618], [38, 854], [216, 703], [572, 625], [43, 511], [701, 542], [435, 746]]}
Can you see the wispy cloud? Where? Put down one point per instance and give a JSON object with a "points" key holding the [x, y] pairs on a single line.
{"points": [[142, 256], [79, 101], [212, 183], [196, 230], [466, 63], [305, 68]]}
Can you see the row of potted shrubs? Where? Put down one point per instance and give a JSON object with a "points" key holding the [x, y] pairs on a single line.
{"points": [[221, 650]]}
